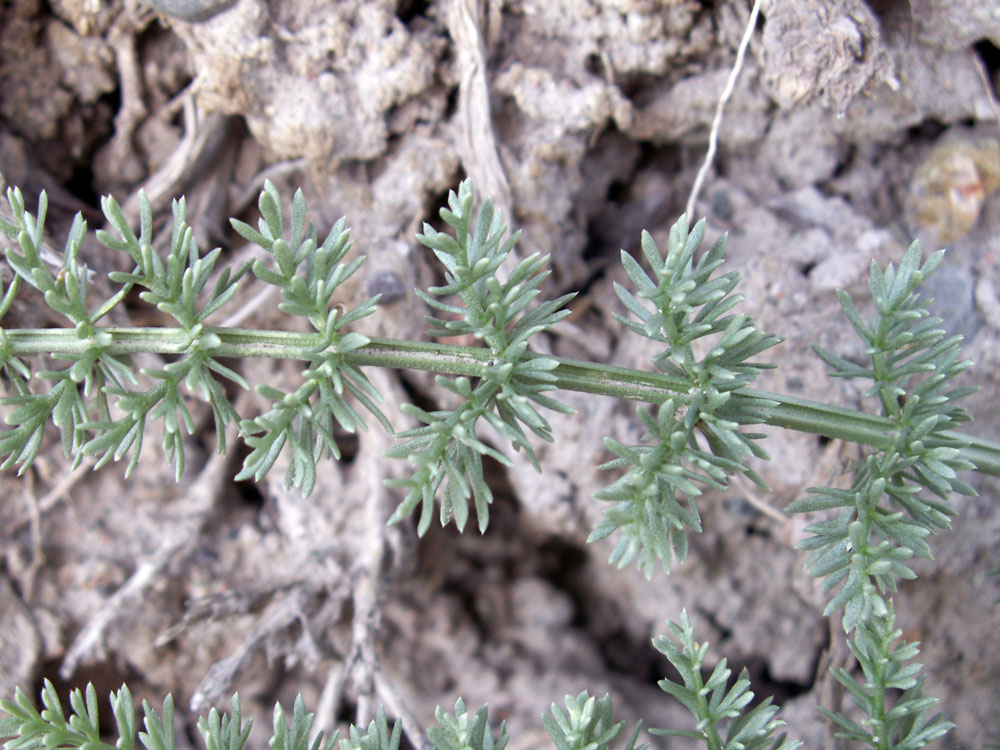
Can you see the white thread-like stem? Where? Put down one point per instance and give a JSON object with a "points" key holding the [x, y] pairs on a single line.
{"points": [[713, 135]]}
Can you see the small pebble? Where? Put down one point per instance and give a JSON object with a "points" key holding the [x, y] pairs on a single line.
{"points": [[192, 11], [947, 191], [952, 288], [388, 285]]}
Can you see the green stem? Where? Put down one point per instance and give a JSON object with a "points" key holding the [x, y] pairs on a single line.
{"points": [[710, 733], [879, 728], [574, 375]]}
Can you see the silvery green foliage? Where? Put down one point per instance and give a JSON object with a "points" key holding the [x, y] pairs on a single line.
{"points": [[448, 450], [888, 670], [886, 513], [587, 724], [696, 439], [96, 402], [53, 728], [378, 736], [225, 731], [175, 287], [296, 735], [308, 275], [462, 731], [722, 720], [79, 397]]}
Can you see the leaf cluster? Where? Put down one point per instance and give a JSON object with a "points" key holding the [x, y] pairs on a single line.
{"points": [[378, 736], [66, 294], [697, 437], [886, 514], [447, 449], [716, 707], [294, 736], [723, 717], [898, 497], [887, 666], [225, 731], [96, 401], [52, 727], [308, 275], [176, 288], [462, 731], [81, 398], [587, 724]]}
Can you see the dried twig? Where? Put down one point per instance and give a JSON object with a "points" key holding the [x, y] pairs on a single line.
{"points": [[202, 496], [62, 488], [477, 144]]}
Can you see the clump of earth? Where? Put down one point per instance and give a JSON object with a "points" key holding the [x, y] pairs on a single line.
{"points": [[854, 127]]}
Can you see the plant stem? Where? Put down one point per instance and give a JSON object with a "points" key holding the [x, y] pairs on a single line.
{"points": [[571, 374]]}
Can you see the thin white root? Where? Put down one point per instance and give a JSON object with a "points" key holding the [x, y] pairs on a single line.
{"points": [[713, 135]]}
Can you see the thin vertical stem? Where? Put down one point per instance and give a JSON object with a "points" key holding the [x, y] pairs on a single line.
{"points": [[713, 136]]}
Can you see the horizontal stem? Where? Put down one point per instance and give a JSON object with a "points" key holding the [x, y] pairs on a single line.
{"points": [[570, 374]]}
